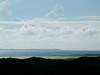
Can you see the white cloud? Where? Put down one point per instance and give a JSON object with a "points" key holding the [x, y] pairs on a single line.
{"points": [[28, 35], [53, 23], [5, 10], [51, 32], [56, 13], [89, 17], [88, 30], [17, 19]]}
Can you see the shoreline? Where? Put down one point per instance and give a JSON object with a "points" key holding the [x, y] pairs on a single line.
{"points": [[47, 56]]}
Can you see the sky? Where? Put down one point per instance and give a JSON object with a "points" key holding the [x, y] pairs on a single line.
{"points": [[50, 24]]}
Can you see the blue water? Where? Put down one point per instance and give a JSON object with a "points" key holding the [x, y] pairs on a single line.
{"points": [[5, 52]]}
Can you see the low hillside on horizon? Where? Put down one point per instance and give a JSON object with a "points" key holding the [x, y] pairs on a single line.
{"points": [[37, 66]]}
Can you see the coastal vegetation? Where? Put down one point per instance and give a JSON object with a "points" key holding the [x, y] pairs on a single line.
{"points": [[37, 66]]}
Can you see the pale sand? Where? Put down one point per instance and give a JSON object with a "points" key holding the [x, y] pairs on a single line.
{"points": [[43, 56], [47, 56]]}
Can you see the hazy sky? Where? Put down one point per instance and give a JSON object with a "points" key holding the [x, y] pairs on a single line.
{"points": [[50, 24]]}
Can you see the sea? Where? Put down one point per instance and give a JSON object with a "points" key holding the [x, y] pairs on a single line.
{"points": [[6, 52]]}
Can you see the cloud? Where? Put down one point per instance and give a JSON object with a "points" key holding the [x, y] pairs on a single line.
{"points": [[53, 23], [39, 36], [17, 19], [56, 13], [52, 31], [42, 32], [5, 10], [89, 31], [28, 35], [90, 17]]}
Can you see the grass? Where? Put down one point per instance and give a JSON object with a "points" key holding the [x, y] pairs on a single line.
{"points": [[38, 66], [68, 59]]}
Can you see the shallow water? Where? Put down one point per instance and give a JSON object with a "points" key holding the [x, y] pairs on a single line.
{"points": [[45, 53]]}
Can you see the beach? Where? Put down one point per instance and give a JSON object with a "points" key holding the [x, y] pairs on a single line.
{"points": [[47, 56]]}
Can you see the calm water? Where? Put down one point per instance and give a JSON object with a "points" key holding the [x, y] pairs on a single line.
{"points": [[5, 52]]}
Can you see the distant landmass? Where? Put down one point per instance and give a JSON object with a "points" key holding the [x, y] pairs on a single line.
{"points": [[46, 52]]}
